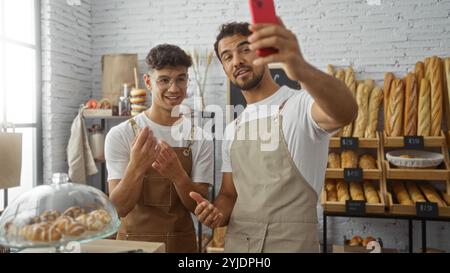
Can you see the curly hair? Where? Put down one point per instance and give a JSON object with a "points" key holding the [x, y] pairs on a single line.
{"points": [[230, 29], [167, 55]]}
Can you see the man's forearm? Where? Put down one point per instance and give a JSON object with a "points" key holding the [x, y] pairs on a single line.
{"points": [[330, 94], [126, 195], [225, 204], [183, 186]]}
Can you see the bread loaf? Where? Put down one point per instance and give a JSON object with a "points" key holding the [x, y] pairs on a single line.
{"points": [[396, 103], [362, 99], [370, 84], [436, 96], [331, 190], [420, 72], [334, 161], [428, 67], [424, 114], [415, 193], [371, 193], [375, 100], [411, 105], [356, 191], [388, 80], [349, 159], [431, 195], [367, 162], [342, 191], [401, 194], [350, 81], [330, 70]]}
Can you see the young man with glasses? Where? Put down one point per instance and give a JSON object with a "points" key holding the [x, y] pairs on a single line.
{"points": [[155, 159]]}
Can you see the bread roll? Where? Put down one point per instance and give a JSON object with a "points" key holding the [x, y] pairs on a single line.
{"points": [[431, 195], [349, 159], [424, 113], [411, 105], [367, 162], [101, 215], [50, 216], [42, 232], [69, 227], [436, 96], [362, 99], [401, 194], [396, 103], [375, 100], [388, 80], [415, 193], [342, 191], [356, 191], [331, 190], [330, 70], [371, 193], [334, 161], [420, 72]]}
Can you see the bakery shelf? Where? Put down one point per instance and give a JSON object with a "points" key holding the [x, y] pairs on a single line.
{"points": [[335, 142], [397, 142]]}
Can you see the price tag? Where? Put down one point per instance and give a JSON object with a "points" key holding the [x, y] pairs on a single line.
{"points": [[413, 142], [355, 207], [353, 174], [349, 143], [427, 209]]}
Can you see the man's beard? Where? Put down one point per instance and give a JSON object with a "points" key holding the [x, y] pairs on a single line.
{"points": [[252, 83]]}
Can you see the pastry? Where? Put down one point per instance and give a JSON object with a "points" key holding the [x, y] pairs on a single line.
{"points": [[367, 162], [362, 99], [436, 96], [401, 194], [74, 212], [42, 232], [431, 195], [356, 241], [342, 191], [69, 227], [356, 191], [376, 97], [102, 215], [367, 240], [388, 80], [349, 159], [424, 115], [411, 106], [334, 161], [371, 193], [91, 222], [396, 103], [50, 216], [415, 193]]}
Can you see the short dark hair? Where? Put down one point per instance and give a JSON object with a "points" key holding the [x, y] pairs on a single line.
{"points": [[167, 55], [230, 29]]}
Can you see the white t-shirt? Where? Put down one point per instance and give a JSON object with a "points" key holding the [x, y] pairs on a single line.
{"points": [[306, 141], [119, 139]]}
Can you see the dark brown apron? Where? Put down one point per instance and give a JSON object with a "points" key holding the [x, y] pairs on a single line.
{"points": [[159, 215]]}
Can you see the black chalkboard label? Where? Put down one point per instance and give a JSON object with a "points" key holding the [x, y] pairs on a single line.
{"points": [[353, 175], [413, 142], [355, 207], [349, 143], [427, 209]]}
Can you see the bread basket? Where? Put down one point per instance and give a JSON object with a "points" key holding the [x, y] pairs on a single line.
{"points": [[414, 159]]}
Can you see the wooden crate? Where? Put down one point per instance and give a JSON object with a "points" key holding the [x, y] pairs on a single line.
{"points": [[335, 142], [440, 173], [340, 206]]}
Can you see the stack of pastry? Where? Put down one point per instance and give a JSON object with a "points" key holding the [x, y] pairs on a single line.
{"points": [[368, 97], [414, 193], [350, 159], [138, 101]]}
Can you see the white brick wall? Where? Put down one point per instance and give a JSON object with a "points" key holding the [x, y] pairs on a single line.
{"points": [[374, 39]]}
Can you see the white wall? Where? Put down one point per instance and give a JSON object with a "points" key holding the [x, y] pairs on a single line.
{"points": [[374, 39]]}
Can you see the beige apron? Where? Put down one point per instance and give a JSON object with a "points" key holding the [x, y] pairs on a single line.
{"points": [[275, 210], [159, 215]]}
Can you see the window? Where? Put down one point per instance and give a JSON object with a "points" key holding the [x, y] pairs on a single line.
{"points": [[19, 85]]}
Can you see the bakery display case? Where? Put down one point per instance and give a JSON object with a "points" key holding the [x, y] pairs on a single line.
{"points": [[57, 214]]}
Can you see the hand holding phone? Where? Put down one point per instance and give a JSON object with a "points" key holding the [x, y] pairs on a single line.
{"points": [[263, 11]]}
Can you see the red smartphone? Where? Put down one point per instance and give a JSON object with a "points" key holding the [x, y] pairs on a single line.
{"points": [[263, 11]]}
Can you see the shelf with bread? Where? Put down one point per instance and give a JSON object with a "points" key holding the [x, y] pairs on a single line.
{"points": [[366, 159]]}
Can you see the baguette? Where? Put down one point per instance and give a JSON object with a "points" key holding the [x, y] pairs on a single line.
{"points": [[330, 70], [396, 104], [420, 72], [356, 191], [370, 84], [436, 96], [411, 106], [362, 99], [371, 193], [340, 75], [351, 84], [388, 80], [424, 115], [431, 195], [376, 97], [401, 194], [447, 84], [415, 193]]}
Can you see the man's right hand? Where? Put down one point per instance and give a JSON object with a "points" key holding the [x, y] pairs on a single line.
{"points": [[206, 212], [144, 151]]}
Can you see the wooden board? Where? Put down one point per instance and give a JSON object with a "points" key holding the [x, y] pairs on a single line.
{"points": [[335, 142], [397, 142]]}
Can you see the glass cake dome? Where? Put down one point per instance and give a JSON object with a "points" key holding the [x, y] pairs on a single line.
{"points": [[57, 214]]}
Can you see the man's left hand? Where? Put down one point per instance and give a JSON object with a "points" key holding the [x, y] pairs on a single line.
{"points": [[167, 164], [282, 39]]}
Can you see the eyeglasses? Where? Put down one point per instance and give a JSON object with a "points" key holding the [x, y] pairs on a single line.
{"points": [[164, 83]]}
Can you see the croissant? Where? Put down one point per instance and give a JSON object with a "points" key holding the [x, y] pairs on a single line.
{"points": [[49, 216], [90, 222], [102, 215]]}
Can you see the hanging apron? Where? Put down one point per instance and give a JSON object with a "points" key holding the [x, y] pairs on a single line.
{"points": [[159, 215], [275, 210]]}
